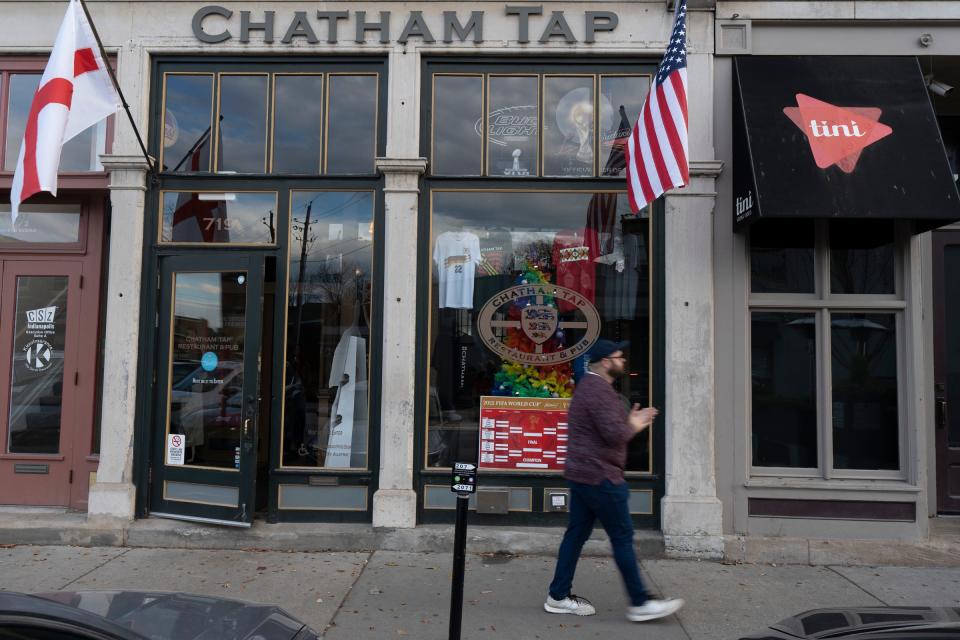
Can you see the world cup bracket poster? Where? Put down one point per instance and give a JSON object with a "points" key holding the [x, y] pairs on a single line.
{"points": [[525, 434]]}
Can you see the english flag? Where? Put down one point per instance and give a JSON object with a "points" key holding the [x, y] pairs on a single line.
{"points": [[656, 153], [75, 93]]}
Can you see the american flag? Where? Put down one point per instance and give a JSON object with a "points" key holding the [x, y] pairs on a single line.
{"points": [[657, 148]]}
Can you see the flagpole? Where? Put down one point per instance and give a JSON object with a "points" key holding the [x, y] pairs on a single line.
{"points": [[116, 85]]}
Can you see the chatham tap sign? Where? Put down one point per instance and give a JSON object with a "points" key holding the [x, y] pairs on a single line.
{"points": [[214, 24]]}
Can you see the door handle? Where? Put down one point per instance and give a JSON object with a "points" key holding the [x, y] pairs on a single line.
{"points": [[247, 438], [941, 413]]}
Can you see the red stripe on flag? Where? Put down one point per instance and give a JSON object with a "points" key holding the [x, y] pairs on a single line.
{"points": [[648, 194], [670, 127], [84, 61], [655, 150], [56, 91], [681, 93]]}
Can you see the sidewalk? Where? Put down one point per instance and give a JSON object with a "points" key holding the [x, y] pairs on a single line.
{"points": [[394, 594]]}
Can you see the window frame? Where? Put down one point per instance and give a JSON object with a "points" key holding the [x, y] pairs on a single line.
{"points": [[822, 303]]}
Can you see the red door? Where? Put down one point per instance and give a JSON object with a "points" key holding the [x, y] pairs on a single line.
{"points": [[946, 302], [44, 420]]}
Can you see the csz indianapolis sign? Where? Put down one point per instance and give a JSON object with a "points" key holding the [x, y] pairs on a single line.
{"points": [[540, 322], [214, 24]]}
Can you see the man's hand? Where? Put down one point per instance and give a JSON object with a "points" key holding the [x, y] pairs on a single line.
{"points": [[640, 419]]}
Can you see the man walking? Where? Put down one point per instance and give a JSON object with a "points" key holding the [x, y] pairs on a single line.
{"points": [[599, 429]]}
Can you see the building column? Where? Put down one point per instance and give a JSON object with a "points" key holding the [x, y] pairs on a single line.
{"points": [[113, 495], [692, 515], [395, 502]]}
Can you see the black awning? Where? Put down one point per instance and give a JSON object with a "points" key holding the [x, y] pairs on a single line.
{"points": [[838, 137]]}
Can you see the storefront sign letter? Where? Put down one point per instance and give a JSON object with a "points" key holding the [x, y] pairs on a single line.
{"points": [[523, 17], [557, 27], [416, 27], [451, 25], [363, 26], [266, 26], [201, 15], [300, 28], [334, 17], [599, 21]]}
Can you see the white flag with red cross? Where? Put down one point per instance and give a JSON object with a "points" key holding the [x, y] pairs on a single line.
{"points": [[75, 93]]}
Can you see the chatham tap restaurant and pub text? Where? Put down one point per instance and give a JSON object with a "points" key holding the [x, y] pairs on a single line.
{"points": [[365, 241]]}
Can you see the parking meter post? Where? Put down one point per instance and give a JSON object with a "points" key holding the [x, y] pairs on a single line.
{"points": [[459, 567]]}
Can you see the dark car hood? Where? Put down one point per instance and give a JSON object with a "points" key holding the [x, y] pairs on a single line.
{"points": [[180, 616], [866, 622]]}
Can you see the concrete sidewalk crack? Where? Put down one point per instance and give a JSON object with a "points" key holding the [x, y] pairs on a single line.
{"points": [[346, 596], [96, 568], [859, 586]]}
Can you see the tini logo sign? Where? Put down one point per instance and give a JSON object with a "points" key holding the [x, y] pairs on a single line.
{"points": [[837, 135]]}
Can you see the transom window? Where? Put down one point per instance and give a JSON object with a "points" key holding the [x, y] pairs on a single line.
{"points": [[522, 125], [19, 81], [252, 122]]}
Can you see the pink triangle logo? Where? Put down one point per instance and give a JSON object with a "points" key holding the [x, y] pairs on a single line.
{"points": [[837, 135]]}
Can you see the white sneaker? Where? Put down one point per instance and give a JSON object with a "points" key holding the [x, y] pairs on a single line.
{"points": [[653, 609], [571, 604]]}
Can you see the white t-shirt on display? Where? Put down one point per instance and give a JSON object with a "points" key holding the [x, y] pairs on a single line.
{"points": [[456, 255]]}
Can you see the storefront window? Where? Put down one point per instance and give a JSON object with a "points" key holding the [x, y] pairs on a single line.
{"points": [[781, 257], [512, 132], [522, 284], [81, 153], [864, 367], [40, 224], [824, 368], [621, 97], [569, 142], [784, 374], [218, 217], [298, 123], [242, 130], [862, 257], [326, 394], [187, 120], [36, 387], [352, 132], [457, 125]]}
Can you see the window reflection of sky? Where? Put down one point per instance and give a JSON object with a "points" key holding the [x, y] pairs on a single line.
{"points": [[190, 99], [297, 126], [353, 126], [199, 295], [243, 124]]}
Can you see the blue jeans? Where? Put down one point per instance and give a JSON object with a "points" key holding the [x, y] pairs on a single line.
{"points": [[608, 503]]}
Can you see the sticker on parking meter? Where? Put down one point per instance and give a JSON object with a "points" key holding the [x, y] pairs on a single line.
{"points": [[176, 444], [464, 478]]}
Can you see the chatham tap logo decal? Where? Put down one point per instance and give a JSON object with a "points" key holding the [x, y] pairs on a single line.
{"points": [[837, 135], [533, 310]]}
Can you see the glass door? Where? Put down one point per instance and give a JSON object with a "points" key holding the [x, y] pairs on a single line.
{"points": [[205, 445], [39, 412]]}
